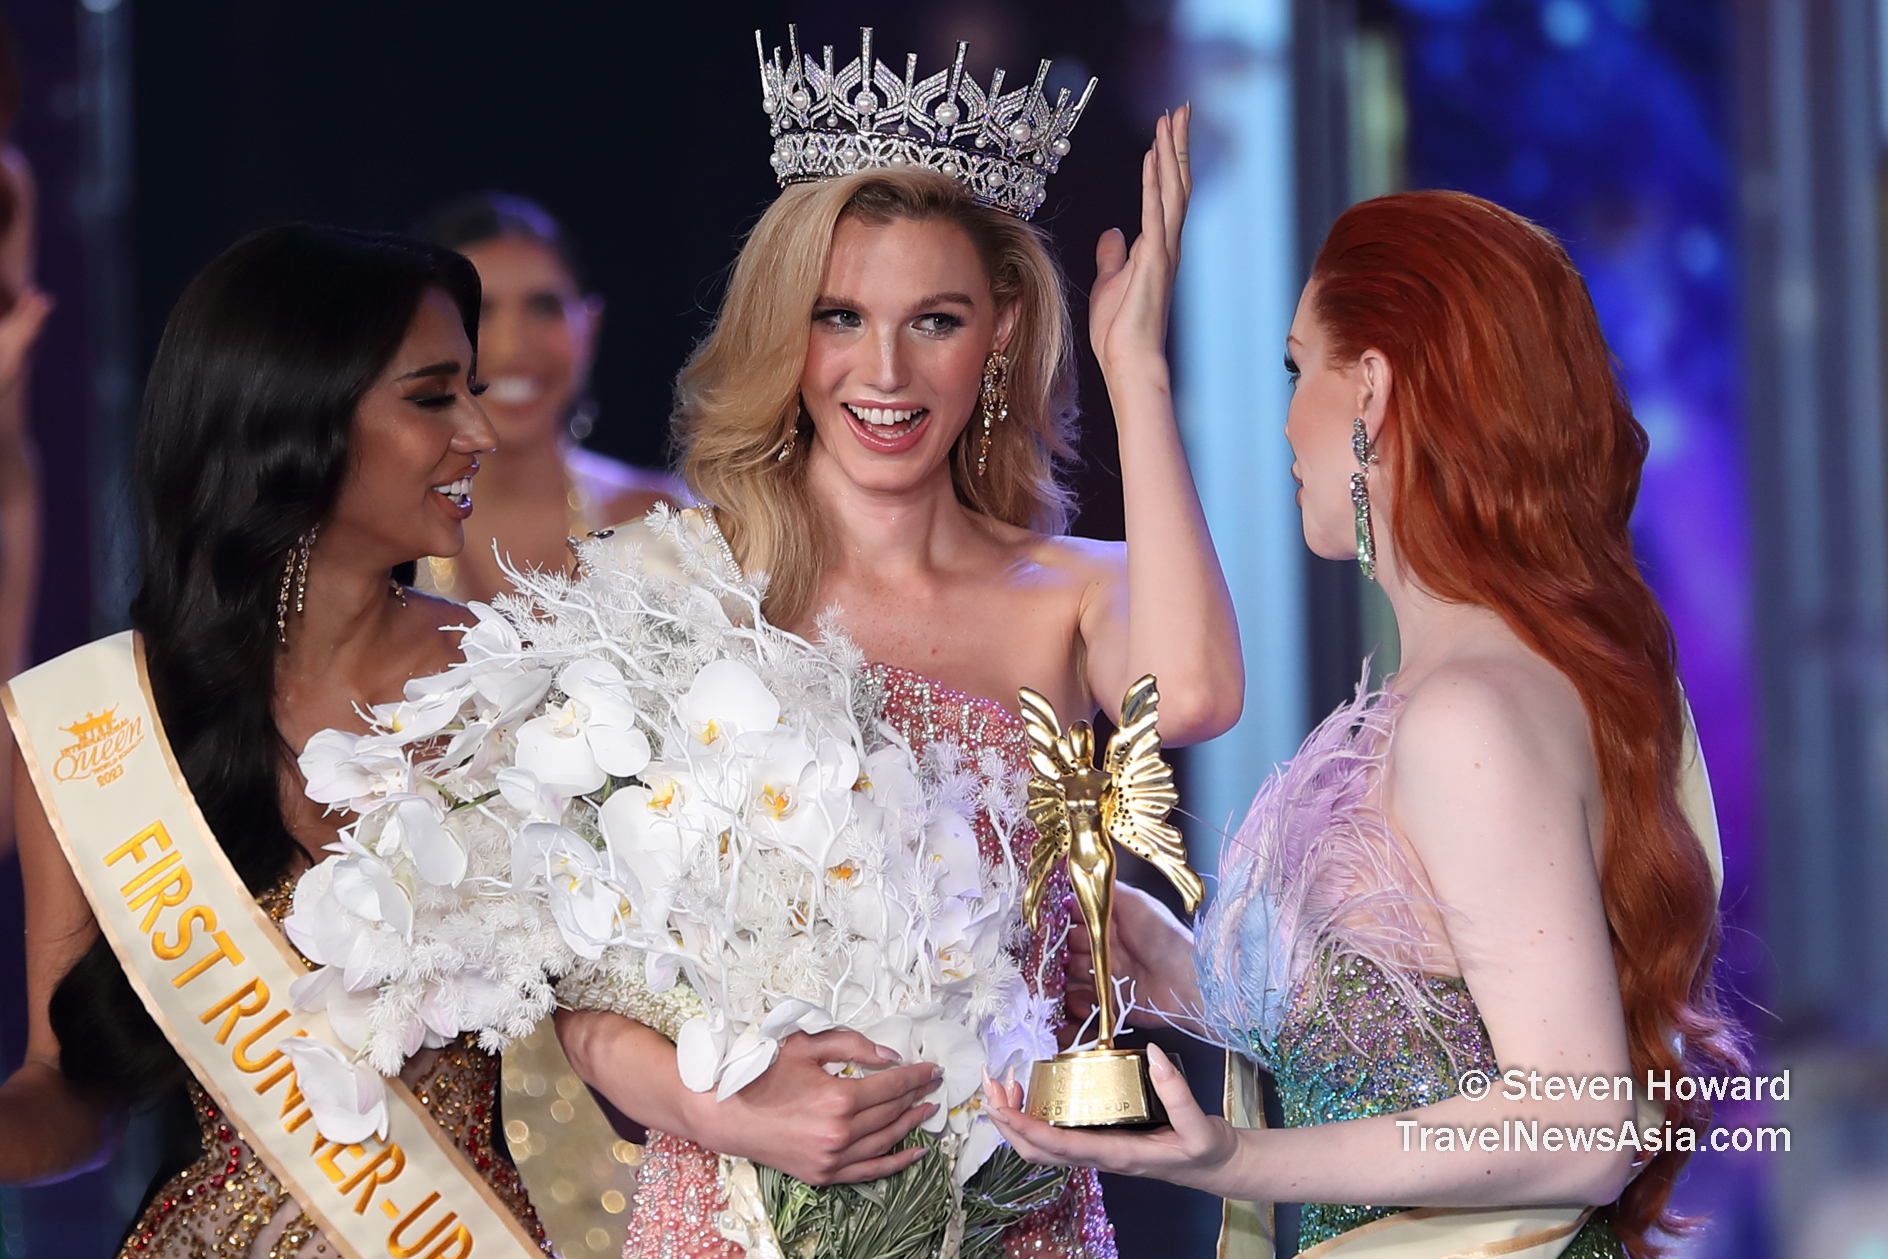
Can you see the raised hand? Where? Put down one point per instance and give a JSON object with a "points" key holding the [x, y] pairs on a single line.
{"points": [[1128, 307]]}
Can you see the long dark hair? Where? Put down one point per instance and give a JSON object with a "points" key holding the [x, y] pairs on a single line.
{"points": [[242, 448]]}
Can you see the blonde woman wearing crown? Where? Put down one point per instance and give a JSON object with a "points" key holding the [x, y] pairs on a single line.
{"points": [[876, 419]]}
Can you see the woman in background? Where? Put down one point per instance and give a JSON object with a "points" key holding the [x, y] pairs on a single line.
{"points": [[1504, 860], [538, 329], [23, 308]]}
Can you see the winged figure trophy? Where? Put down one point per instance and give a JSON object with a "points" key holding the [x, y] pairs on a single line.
{"points": [[1081, 811]]}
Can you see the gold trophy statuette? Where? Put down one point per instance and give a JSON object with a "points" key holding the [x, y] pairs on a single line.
{"points": [[1081, 812]]}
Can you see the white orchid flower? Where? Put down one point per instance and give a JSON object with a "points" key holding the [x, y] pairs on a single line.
{"points": [[649, 829], [889, 781], [727, 699], [707, 1055], [953, 856], [584, 904], [429, 707], [347, 1099], [925, 1035], [340, 904], [352, 769], [501, 673], [415, 825], [536, 801], [577, 745], [349, 1012], [699, 1044], [799, 796], [365, 886], [466, 744]]}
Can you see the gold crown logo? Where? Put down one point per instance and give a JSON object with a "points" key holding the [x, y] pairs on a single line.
{"points": [[104, 741], [92, 729]]}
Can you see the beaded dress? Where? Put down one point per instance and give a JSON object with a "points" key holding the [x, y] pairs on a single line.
{"points": [[678, 1195], [1312, 961], [227, 1205]]}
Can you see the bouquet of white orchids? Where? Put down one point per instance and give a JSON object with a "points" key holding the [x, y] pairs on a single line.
{"points": [[634, 784]]}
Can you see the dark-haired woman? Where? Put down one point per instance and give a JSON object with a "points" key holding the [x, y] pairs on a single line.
{"points": [[538, 325], [309, 424], [1502, 864]]}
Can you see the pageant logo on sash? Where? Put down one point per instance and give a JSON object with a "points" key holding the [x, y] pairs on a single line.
{"points": [[103, 743]]}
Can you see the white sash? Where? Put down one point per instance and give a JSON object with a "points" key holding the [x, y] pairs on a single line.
{"points": [[214, 971]]}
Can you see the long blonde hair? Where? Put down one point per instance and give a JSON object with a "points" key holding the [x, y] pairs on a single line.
{"points": [[738, 399]]}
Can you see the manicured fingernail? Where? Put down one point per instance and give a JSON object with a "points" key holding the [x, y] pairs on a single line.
{"points": [[889, 1055], [937, 1074], [1157, 1063]]}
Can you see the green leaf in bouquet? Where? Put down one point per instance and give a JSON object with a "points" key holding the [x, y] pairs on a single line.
{"points": [[907, 1215]]}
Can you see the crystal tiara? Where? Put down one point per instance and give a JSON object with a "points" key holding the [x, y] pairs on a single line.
{"points": [[826, 123]]}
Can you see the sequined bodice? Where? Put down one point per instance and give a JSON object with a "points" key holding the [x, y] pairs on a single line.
{"points": [[678, 1194], [228, 1205]]}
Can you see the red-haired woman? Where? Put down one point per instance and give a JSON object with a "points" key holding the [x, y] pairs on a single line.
{"points": [[1490, 866]]}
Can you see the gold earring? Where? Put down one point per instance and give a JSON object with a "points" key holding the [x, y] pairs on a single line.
{"points": [[793, 437], [994, 400], [294, 575]]}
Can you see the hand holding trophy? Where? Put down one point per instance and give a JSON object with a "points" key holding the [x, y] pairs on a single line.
{"points": [[1080, 812]]}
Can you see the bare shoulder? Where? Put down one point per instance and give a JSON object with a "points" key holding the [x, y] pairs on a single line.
{"points": [[1087, 560], [1508, 700], [1490, 744]]}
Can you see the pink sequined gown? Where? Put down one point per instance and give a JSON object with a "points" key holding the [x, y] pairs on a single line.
{"points": [[677, 1195]]}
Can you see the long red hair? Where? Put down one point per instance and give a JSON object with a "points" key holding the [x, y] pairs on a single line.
{"points": [[1515, 461]]}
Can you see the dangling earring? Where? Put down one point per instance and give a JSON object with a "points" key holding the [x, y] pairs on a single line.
{"points": [[994, 400], [1361, 446], [294, 574], [793, 437]]}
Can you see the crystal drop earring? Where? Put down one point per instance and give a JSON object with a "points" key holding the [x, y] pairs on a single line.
{"points": [[993, 399], [1365, 450], [295, 577]]}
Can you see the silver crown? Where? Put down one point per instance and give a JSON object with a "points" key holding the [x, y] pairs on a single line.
{"points": [[826, 123]]}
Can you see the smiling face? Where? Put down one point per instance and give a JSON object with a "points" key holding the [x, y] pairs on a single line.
{"points": [[1327, 398], [901, 329], [417, 437], [537, 333]]}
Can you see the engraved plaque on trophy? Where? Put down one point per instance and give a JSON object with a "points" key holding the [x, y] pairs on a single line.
{"points": [[1080, 811]]}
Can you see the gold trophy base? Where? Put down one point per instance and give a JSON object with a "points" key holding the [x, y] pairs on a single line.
{"points": [[1096, 1088]]}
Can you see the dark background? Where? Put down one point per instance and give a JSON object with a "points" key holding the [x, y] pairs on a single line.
{"points": [[641, 130]]}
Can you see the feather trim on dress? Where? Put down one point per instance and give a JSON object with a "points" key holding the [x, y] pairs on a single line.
{"points": [[1312, 877]]}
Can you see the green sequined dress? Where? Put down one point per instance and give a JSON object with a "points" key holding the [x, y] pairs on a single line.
{"points": [[1362, 1052]]}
